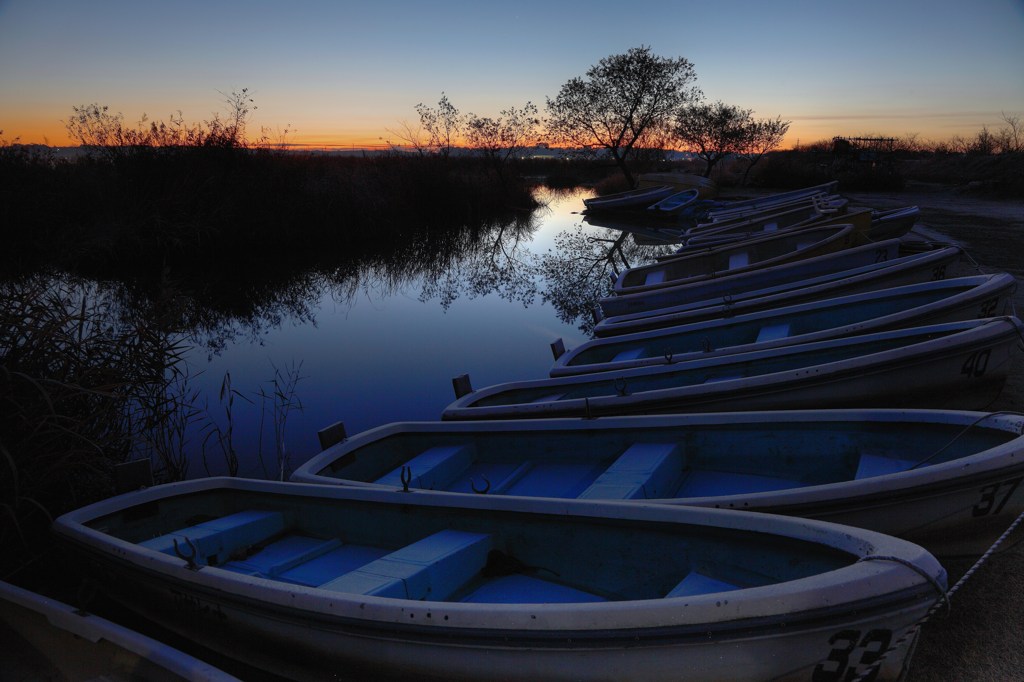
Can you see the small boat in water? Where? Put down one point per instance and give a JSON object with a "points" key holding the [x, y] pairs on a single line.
{"points": [[780, 277], [634, 198], [81, 646], [674, 203], [956, 365], [914, 268], [947, 300], [946, 480], [308, 580], [706, 187], [748, 255]]}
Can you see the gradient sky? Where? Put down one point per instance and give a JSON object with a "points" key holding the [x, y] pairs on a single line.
{"points": [[348, 72]]}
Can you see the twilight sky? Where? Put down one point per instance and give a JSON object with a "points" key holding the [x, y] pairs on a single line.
{"points": [[346, 72]]}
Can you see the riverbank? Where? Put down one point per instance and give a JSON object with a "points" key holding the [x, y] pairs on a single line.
{"points": [[978, 638]]}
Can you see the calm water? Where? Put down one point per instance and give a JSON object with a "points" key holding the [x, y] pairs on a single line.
{"points": [[379, 348]]}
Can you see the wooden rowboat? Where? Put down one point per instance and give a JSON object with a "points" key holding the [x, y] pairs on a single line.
{"points": [[81, 646], [963, 298], [913, 268], [957, 365], [949, 481], [308, 580]]}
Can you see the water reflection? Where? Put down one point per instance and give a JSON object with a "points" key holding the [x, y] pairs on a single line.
{"points": [[371, 336]]}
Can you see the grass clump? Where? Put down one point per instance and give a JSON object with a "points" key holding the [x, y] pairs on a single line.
{"points": [[80, 391]]}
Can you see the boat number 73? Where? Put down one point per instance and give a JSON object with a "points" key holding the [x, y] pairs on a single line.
{"points": [[845, 644], [995, 496]]}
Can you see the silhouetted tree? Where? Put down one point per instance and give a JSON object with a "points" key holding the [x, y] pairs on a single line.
{"points": [[502, 138], [713, 131], [765, 135], [442, 124], [619, 100]]}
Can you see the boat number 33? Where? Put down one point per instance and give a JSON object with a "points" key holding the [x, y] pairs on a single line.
{"points": [[851, 655]]}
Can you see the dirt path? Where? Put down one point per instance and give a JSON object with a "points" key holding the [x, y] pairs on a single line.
{"points": [[982, 635]]}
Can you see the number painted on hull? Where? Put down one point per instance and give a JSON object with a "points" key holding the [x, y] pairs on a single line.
{"points": [[988, 308], [995, 496], [976, 363], [847, 643]]}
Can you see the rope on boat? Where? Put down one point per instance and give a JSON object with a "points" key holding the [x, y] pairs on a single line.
{"points": [[957, 437], [869, 672]]}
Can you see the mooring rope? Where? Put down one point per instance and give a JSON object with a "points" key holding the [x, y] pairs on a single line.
{"points": [[959, 435], [912, 631]]}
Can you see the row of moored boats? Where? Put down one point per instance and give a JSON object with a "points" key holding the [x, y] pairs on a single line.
{"points": [[605, 522]]}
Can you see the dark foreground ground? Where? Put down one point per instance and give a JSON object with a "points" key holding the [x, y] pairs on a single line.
{"points": [[981, 637]]}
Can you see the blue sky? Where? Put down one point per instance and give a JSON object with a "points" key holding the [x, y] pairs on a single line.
{"points": [[350, 71]]}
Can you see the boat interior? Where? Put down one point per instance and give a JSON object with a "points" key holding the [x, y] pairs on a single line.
{"points": [[698, 461], [434, 553]]}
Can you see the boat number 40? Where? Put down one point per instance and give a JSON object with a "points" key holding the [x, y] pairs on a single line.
{"points": [[848, 647], [976, 363]]}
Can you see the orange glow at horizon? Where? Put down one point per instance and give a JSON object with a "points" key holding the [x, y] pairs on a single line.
{"points": [[38, 130]]}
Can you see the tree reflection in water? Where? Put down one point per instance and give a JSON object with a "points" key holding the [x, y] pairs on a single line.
{"points": [[547, 254]]}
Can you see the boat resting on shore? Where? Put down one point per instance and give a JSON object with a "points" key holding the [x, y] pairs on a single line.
{"points": [[784, 277], [752, 254], [956, 365], [949, 481], [308, 580], [913, 268], [946, 300]]}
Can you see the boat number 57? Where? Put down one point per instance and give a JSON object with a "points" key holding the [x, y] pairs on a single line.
{"points": [[849, 643], [994, 497]]}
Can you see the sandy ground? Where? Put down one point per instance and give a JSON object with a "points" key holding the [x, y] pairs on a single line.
{"points": [[981, 637]]}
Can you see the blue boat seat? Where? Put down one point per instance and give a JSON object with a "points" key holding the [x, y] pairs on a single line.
{"points": [[434, 468], [325, 567], [525, 589], [216, 540], [879, 465], [432, 568], [738, 260], [772, 332], [282, 555], [643, 471], [628, 354], [655, 277], [696, 582]]}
